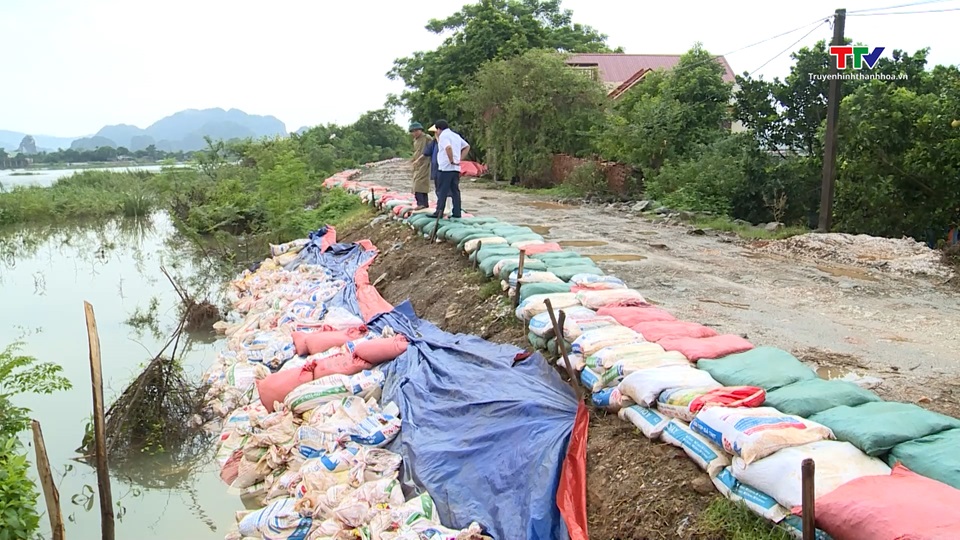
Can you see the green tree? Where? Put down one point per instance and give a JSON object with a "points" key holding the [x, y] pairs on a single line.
{"points": [[529, 107], [436, 80]]}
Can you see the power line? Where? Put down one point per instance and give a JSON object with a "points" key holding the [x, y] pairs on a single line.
{"points": [[790, 47], [905, 12], [925, 2]]}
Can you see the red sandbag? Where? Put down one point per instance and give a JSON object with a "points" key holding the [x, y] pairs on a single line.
{"points": [[901, 506], [630, 316], [339, 364], [547, 247], [231, 469], [318, 342], [657, 330], [709, 347], [730, 396], [380, 350], [276, 386]]}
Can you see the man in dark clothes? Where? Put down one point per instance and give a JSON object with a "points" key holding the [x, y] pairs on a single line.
{"points": [[431, 152]]}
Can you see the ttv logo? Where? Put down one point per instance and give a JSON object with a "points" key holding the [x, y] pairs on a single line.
{"points": [[861, 56]]}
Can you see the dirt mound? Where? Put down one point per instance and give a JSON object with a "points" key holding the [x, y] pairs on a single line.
{"points": [[904, 256], [636, 489]]}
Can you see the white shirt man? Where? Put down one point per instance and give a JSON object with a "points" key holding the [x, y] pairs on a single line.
{"points": [[451, 149], [452, 146]]}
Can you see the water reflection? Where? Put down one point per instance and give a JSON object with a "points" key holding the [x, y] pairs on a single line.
{"points": [[46, 272]]}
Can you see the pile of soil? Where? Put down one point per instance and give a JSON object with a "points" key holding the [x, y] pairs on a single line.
{"points": [[636, 489]]}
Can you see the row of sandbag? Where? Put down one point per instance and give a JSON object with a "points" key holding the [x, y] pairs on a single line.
{"points": [[303, 445], [648, 355]]}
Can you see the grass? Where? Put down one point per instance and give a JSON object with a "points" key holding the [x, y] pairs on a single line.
{"points": [[746, 231], [732, 521], [24, 173], [489, 290]]}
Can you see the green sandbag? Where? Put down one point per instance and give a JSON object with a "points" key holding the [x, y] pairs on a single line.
{"points": [[934, 456], [565, 273], [552, 347], [514, 263], [428, 228], [530, 289], [514, 238], [556, 255], [877, 427], [571, 261], [498, 250], [487, 265], [537, 341], [505, 230], [808, 397], [769, 368], [476, 220], [445, 231], [418, 220], [461, 244]]}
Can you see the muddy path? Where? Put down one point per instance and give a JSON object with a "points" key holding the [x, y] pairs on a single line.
{"points": [[899, 328]]}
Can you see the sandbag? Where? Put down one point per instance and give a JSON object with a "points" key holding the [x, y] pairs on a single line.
{"points": [[530, 289], [318, 342], [675, 402], [610, 399], [757, 501], [274, 388], [546, 247], [590, 281], [704, 453], [596, 299], [460, 235], [877, 427], [339, 364], [536, 341], [767, 367], [522, 237], [508, 265], [628, 366], [934, 456], [541, 324], [491, 262], [685, 403], [648, 421], [307, 397], [471, 245], [836, 462], [900, 506], [756, 433], [631, 316], [657, 330], [592, 341], [557, 255], [379, 350], [569, 262], [487, 252], [709, 347], [279, 521], [607, 357], [535, 304], [566, 272], [532, 276], [811, 396], [644, 387]]}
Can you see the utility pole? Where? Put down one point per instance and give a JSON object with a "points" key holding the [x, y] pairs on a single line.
{"points": [[830, 144]]}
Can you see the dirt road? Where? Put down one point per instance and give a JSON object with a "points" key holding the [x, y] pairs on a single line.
{"points": [[899, 328]]}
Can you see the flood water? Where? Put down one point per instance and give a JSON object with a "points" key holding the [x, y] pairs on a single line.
{"points": [[46, 177], [45, 276]]}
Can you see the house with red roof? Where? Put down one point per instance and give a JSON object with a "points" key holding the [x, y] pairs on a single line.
{"points": [[620, 72]]}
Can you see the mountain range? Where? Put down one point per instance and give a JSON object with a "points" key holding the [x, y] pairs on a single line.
{"points": [[183, 130]]}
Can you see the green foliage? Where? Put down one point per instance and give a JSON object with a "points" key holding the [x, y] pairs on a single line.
{"points": [[529, 107], [488, 30], [733, 521], [587, 179], [668, 115], [20, 374], [18, 496], [101, 155]]}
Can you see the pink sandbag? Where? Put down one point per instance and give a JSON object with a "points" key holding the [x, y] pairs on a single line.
{"points": [[276, 386], [630, 316], [339, 364], [318, 342], [547, 247], [901, 506], [657, 330], [709, 347], [380, 350]]}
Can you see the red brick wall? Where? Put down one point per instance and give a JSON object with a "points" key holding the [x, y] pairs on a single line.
{"points": [[616, 174]]}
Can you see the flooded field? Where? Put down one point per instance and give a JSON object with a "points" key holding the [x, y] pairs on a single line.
{"points": [[45, 276], [10, 178]]}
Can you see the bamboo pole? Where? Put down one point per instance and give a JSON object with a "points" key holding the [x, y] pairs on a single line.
{"points": [[558, 332], [516, 293], [807, 491], [50, 493], [107, 524]]}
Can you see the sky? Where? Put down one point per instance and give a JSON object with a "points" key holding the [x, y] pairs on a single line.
{"points": [[70, 67]]}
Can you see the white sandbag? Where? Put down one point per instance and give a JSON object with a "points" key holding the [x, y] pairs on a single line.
{"points": [[631, 365], [779, 474], [610, 399], [757, 501], [755, 433], [607, 357], [574, 329], [704, 453], [378, 429], [596, 299], [471, 245], [536, 305], [277, 521], [592, 341], [644, 386], [649, 421], [543, 327], [590, 281], [675, 402], [532, 276]]}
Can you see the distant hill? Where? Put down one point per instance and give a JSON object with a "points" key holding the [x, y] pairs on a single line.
{"points": [[179, 131]]}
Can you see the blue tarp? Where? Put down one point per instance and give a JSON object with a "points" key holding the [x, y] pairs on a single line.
{"points": [[485, 436]]}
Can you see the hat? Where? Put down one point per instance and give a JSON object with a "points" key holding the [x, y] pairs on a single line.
{"points": [[432, 129], [415, 126]]}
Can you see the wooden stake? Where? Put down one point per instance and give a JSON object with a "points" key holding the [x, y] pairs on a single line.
{"points": [[436, 226], [373, 201], [516, 293], [807, 470], [476, 260], [50, 493], [99, 426], [558, 332]]}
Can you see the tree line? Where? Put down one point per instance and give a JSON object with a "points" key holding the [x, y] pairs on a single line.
{"points": [[500, 77]]}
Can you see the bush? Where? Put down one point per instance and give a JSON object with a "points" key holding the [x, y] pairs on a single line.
{"points": [[18, 496], [706, 183], [587, 179]]}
